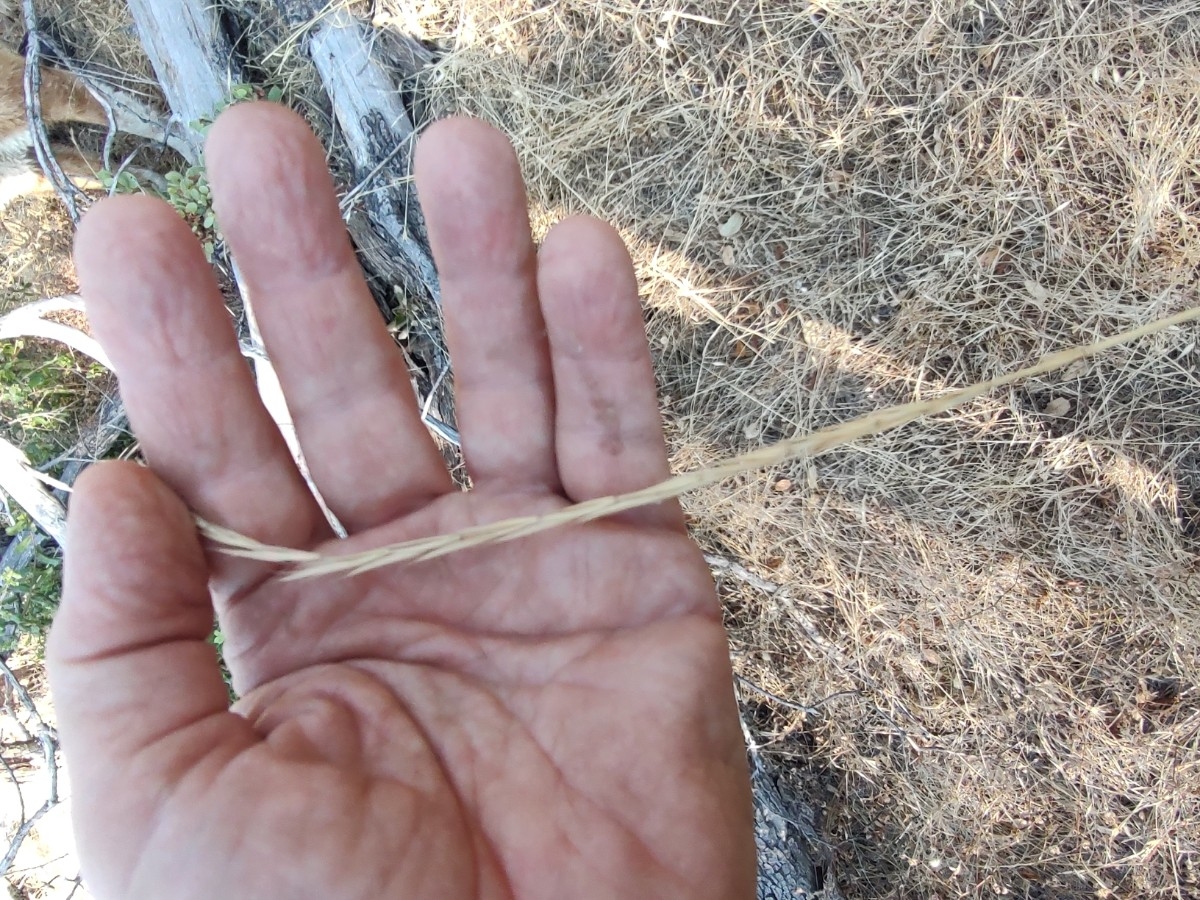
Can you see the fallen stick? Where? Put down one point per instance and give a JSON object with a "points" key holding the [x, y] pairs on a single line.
{"points": [[29, 321], [27, 487], [67, 192]]}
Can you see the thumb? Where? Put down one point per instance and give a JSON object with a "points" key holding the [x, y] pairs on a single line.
{"points": [[137, 689]]}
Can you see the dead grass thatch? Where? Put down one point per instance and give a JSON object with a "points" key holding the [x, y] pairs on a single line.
{"points": [[839, 206]]}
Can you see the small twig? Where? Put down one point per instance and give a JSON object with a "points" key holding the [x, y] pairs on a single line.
{"points": [[125, 111], [12, 774], [110, 425], [49, 743], [353, 194], [14, 846], [109, 113], [775, 698], [444, 431], [110, 136], [63, 186], [22, 694], [740, 572]]}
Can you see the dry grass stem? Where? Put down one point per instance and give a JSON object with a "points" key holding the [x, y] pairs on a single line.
{"points": [[310, 565]]}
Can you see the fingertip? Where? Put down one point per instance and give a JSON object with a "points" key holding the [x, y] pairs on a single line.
{"points": [[585, 241], [458, 143], [273, 193], [121, 515], [131, 547], [123, 520], [586, 228], [245, 128], [588, 288], [470, 186], [121, 229], [120, 495], [101, 478]]}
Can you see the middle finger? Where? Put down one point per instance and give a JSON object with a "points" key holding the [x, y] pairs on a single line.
{"points": [[345, 382], [474, 201]]}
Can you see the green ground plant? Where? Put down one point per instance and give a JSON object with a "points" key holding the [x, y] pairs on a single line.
{"points": [[28, 597], [188, 190], [41, 393]]}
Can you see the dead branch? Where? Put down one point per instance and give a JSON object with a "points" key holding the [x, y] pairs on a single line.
{"points": [[29, 321], [48, 740], [379, 133], [194, 61], [63, 186], [26, 486], [126, 112]]}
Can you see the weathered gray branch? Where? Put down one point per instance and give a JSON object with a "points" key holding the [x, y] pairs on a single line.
{"points": [[192, 57], [25, 485], [380, 136]]}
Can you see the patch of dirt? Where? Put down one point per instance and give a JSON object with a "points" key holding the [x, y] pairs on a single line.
{"points": [[36, 236]]}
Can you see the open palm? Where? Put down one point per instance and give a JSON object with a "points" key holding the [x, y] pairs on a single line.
{"points": [[549, 718]]}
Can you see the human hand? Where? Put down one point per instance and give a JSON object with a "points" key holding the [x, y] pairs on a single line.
{"points": [[549, 718]]}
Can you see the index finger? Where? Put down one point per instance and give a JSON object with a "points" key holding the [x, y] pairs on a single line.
{"points": [[155, 307]]}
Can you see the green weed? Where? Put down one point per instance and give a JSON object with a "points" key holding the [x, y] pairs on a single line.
{"points": [[29, 597], [41, 388], [188, 191]]}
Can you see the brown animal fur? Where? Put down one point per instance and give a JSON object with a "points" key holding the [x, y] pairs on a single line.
{"points": [[64, 99]]}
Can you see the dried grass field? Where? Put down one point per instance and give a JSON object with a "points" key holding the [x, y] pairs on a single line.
{"points": [[986, 628], [975, 640]]}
